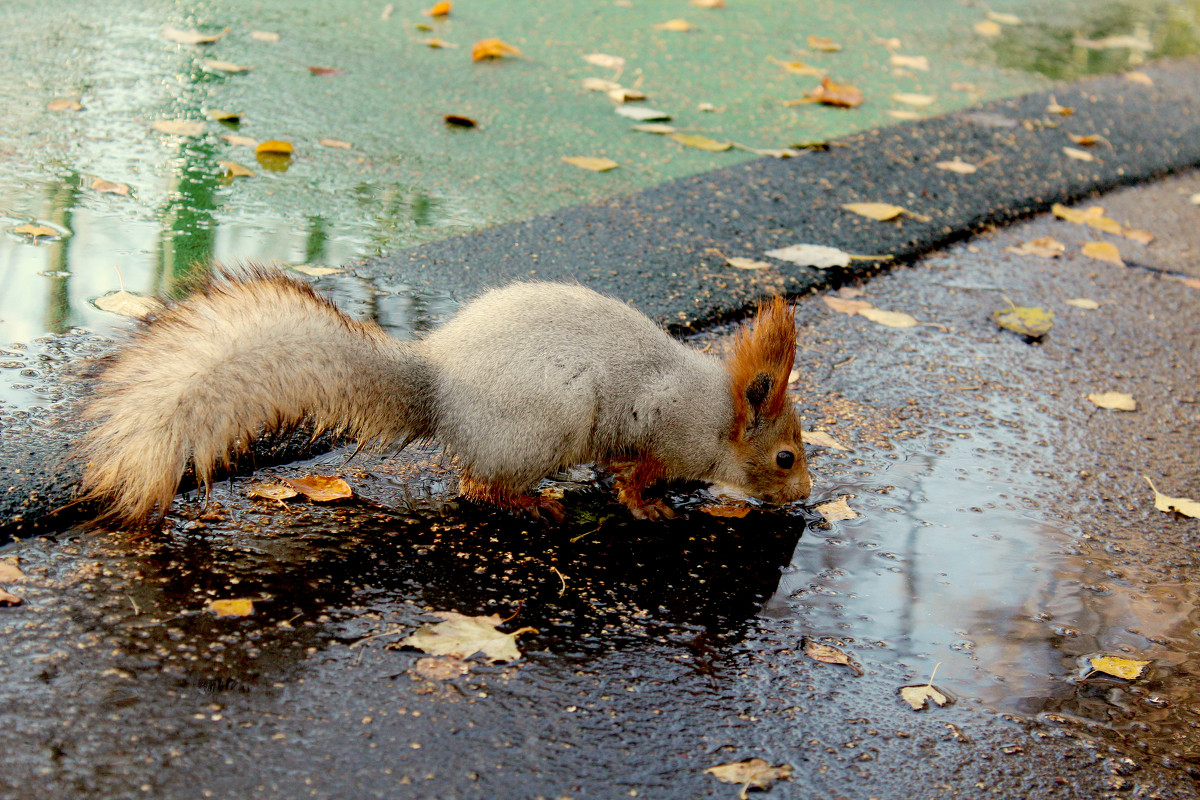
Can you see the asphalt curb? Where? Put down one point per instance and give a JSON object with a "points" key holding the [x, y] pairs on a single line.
{"points": [[661, 249]]}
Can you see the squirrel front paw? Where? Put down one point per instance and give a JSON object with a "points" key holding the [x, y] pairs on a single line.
{"points": [[536, 506], [655, 509]]}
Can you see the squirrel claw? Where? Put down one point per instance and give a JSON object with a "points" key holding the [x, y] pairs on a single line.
{"points": [[536, 506], [655, 509]]}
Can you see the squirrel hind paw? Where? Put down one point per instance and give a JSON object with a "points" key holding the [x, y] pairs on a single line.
{"points": [[536, 506], [656, 509]]}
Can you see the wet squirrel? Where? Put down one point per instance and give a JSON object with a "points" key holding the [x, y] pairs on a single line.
{"points": [[518, 383]]}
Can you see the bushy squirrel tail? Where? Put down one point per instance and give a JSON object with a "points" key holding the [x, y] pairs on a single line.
{"points": [[254, 351]]}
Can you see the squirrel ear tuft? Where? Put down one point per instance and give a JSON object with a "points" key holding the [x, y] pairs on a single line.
{"points": [[759, 390], [759, 363]]}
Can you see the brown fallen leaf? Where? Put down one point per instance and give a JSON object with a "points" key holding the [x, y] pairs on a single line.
{"points": [[178, 127], [911, 99], [190, 36], [828, 654], [459, 121], [823, 44], [1092, 217], [1127, 668], [492, 48], [463, 636], [1054, 108], [675, 25], [1134, 235], [226, 66], [10, 572], [336, 144], [1045, 247], [9, 599], [64, 104], [1139, 77], [624, 95], [904, 114], [108, 187], [321, 488], [439, 9], [441, 668], [37, 232], [841, 95], [877, 211], [892, 319], [746, 263], [812, 255], [754, 773], [1103, 251], [655, 127], [707, 3], [837, 510], [234, 607], [593, 163], [700, 142], [275, 147], [1183, 505], [919, 697], [326, 71], [235, 170], [1085, 141], [727, 511], [127, 304], [271, 491], [1117, 401]]}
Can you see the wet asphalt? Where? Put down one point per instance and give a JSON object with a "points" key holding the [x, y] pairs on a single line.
{"points": [[1006, 528]]}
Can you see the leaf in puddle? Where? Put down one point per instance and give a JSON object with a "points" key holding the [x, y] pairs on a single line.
{"points": [[9, 571], [1103, 251], [1045, 247], [1031, 321], [241, 141], [675, 25], [234, 607], [36, 232], [957, 165], [235, 170], [226, 66], [910, 62], [441, 668], [462, 636], [274, 147], [812, 255], [642, 114], [845, 305], [823, 44], [828, 654], [1078, 155], [754, 773], [264, 36], [877, 211], [592, 163], [336, 144], [492, 48], [1183, 505], [1083, 302], [64, 104], [904, 114], [892, 319], [9, 599], [128, 304], [836, 510], [919, 697], [271, 491], [655, 127], [604, 60], [1127, 668], [190, 36], [911, 99], [321, 488], [108, 187], [1117, 401], [841, 95], [727, 511], [988, 27], [700, 142], [822, 439], [178, 127], [798, 67]]}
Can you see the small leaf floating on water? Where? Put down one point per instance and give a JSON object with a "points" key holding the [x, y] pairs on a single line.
{"points": [[463, 636], [700, 142], [127, 304], [798, 67], [642, 114], [37, 232], [264, 36], [223, 116], [822, 439], [987, 27], [439, 9], [336, 144], [623, 95], [910, 62], [828, 654], [837, 510], [178, 127], [919, 697], [605, 60], [911, 99], [321, 488], [1183, 505], [1003, 19], [436, 43], [600, 85], [491, 49], [242, 141], [754, 773], [675, 25], [271, 491], [275, 147], [235, 170], [234, 607], [655, 127], [707, 3], [727, 511], [226, 66], [1126, 668], [1117, 401]]}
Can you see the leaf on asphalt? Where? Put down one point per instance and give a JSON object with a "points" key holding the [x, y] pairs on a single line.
{"points": [[1083, 302], [9, 599], [1054, 108], [271, 491], [274, 147], [462, 636], [9, 571], [823, 44], [264, 36], [1045, 247], [235, 170], [655, 127], [812, 255], [226, 66], [892, 319], [1141, 237], [108, 187], [877, 211], [242, 141], [910, 62], [746, 263], [459, 121], [919, 697], [642, 114], [64, 104], [190, 36], [441, 668], [1195, 199], [1139, 77], [1004, 19], [1119, 667], [798, 67], [492, 48], [178, 127], [988, 27], [676, 25], [841, 95], [911, 99], [754, 773], [836, 510], [1085, 141], [1031, 321], [828, 654], [604, 60], [957, 165], [592, 163], [36, 232], [235, 607], [223, 116], [600, 85], [1102, 251], [1077, 154], [1183, 505], [128, 304], [325, 71], [822, 439], [700, 142], [1117, 401], [845, 305], [336, 144], [439, 9], [321, 488], [727, 511], [1093, 217]]}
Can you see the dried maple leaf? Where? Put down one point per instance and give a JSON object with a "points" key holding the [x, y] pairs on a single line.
{"points": [[920, 696], [837, 510], [1183, 505], [492, 48], [321, 488], [828, 654], [1117, 401], [754, 773], [841, 95], [462, 636]]}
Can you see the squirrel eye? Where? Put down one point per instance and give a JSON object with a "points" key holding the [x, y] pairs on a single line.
{"points": [[785, 459]]}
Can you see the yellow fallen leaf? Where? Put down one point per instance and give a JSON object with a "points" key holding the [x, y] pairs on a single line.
{"points": [[747, 263], [1139, 77], [1004, 19], [337, 144], [655, 127], [10, 572], [918, 697], [128, 304], [264, 36], [957, 165], [892, 319], [1118, 401], [271, 491], [910, 62], [64, 104], [877, 211], [274, 147], [1078, 155], [439, 9], [1141, 237], [36, 232], [243, 141], [237, 607], [226, 66], [462, 636], [1083, 302], [178, 127], [436, 42], [845, 305], [828, 654], [1045, 247], [754, 773], [822, 439], [905, 114], [797, 67], [593, 163], [492, 48], [842, 95], [1127, 668], [1102, 251], [918, 100], [1030, 321], [235, 170], [1092, 217], [700, 142], [836, 510], [823, 44], [190, 36], [1183, 505], [988, 27], [108, 187], [1085, 141], [321, 488], [676, 25], [9, 599], [730, 512]]}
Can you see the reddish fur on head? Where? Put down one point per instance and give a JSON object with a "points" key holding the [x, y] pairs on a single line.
{"points": [[766, 348]]}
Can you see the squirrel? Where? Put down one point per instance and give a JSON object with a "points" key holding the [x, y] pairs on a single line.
{"points": [[518, 383]]}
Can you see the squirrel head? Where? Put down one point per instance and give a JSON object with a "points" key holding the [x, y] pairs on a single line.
{"points": [[766, 433]]}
